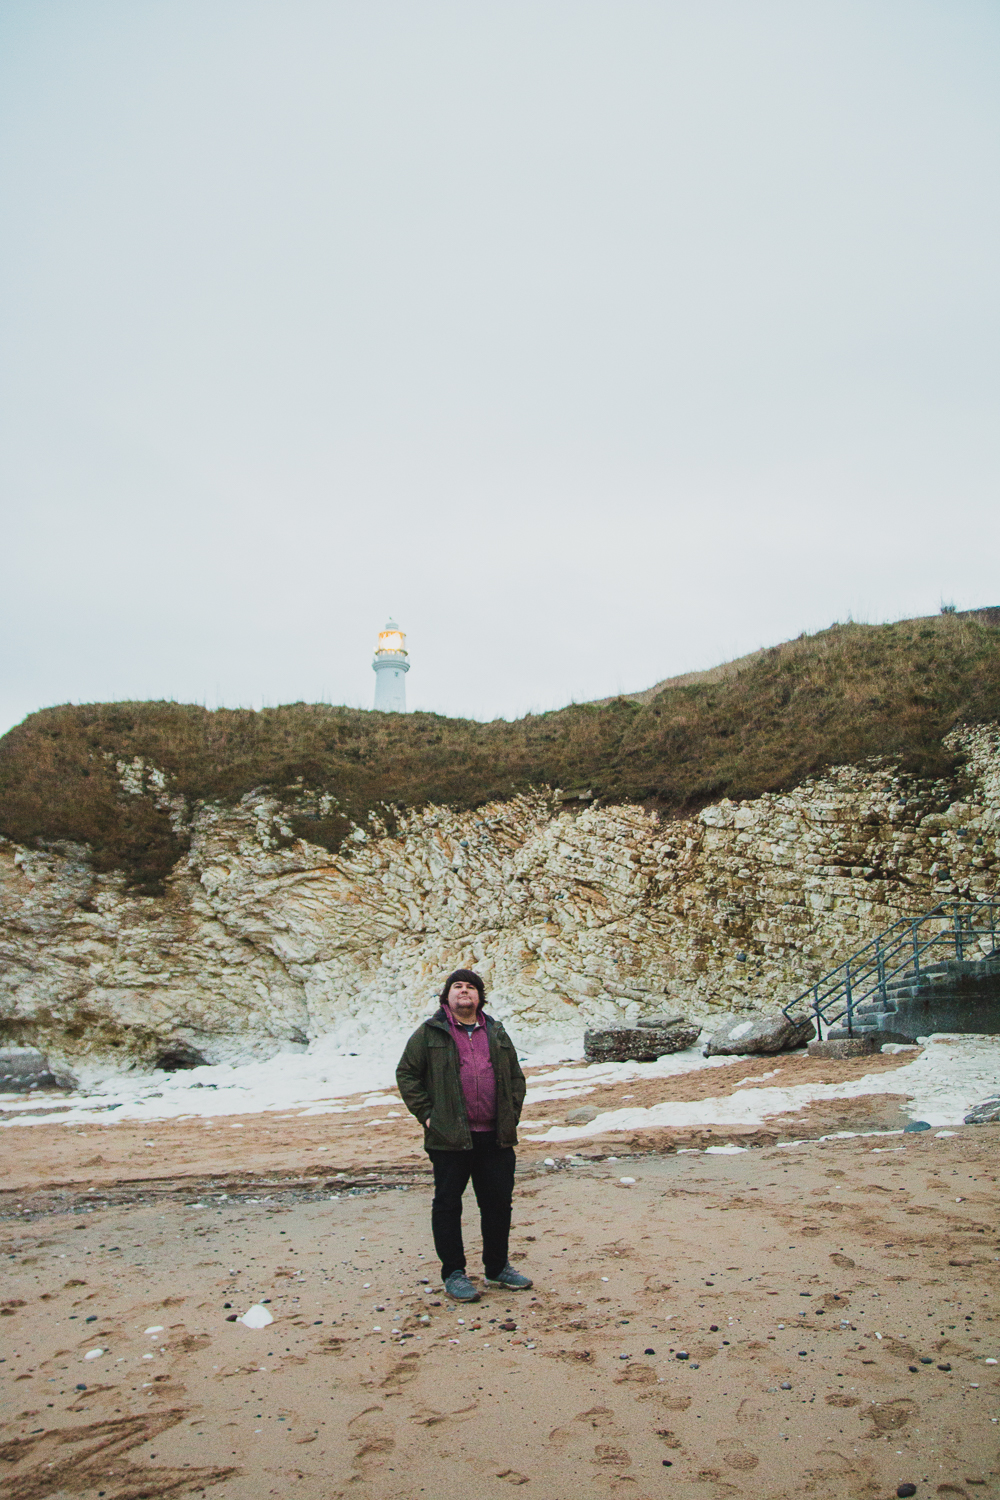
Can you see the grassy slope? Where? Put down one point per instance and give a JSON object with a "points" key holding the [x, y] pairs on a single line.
{"points": [[840, 696]]}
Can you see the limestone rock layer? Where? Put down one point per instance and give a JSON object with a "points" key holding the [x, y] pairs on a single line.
{"points": [[579, 919]]}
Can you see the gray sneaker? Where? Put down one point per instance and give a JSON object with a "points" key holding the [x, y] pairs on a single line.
{"points": [[511, 1279], [460, 1287]]}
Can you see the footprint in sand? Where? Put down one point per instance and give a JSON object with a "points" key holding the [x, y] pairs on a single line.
{"points": [[602, 1418], [888, 1417], [402, 1372], [373, 1433], [843, 1260], [741, 1459], [512, 1476], [429, 1416], [613, 1455], [637, 1375]]}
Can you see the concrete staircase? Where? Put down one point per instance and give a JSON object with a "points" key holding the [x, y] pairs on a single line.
{"points": [[960, 995], [936, 972]]}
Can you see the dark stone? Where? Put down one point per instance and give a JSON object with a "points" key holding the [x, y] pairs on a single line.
{"points": [[846, 1046], [945, 1368], [761, 1034], [683, 1354], [987, 1113], [914, 1126], [904, 1491], [649, 1351], [637, 1044]]}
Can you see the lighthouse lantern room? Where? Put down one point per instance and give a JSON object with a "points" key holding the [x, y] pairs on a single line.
{"points": [[390, 667]]}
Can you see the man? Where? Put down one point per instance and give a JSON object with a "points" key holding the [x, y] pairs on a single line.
{"points": [[460, 1077]]}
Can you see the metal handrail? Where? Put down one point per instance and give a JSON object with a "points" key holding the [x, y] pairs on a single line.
{"points": [[893, 954]]}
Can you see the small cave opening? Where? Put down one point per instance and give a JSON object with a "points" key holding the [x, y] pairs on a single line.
{"points": [[178, 1057]]}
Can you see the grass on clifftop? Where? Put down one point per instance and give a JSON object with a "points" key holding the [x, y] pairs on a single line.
{"points": [[842, 695]]}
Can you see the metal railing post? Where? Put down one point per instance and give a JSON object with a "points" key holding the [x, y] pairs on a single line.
{"points": [[880, 959], [916, 948], [819, 1017], [958, 936], [850, 1001]]}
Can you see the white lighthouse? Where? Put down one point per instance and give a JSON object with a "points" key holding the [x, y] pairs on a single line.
{"points": [[390, 667]]}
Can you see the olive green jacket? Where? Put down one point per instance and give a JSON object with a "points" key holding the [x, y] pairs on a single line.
{"points": [[431, 1088]]}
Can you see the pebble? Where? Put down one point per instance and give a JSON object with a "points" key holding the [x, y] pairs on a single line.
{"points": [[786, 1385], [945, 1368], [96, 1354], [683, 1354], [649, 1351], [910, 1129], [905, 1490]]}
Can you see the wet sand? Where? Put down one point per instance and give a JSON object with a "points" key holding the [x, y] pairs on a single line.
{"points": [[368, 1383]]}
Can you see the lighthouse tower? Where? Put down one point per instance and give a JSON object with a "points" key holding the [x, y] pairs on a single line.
{"points": [[390, 667]]}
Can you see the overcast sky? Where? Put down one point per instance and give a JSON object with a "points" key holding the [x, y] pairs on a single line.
{"points": [[595, 342]]}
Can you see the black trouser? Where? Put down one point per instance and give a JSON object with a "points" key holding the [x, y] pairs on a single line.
{"points": [[491, 1168]]}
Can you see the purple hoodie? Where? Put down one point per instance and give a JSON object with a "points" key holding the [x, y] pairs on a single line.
{"points": [[476, 1072]]}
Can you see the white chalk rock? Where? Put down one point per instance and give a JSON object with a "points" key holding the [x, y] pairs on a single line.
{"points": [[256, 1317]]}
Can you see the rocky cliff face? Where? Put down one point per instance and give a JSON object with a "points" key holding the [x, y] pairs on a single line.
{"points": [[264, 941]]}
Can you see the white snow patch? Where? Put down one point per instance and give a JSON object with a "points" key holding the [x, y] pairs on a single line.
{"points": [[944, 1081], [320, 1081], [951, 1075]]}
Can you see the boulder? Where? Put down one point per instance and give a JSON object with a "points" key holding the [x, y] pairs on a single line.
{"points": [[638, 1043], [987, 1113], [775, 1033], [582, 1116], [25, 1068], [846, 1046]]}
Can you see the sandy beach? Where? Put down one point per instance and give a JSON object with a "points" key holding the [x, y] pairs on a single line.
{"points": [[839, 1324]]}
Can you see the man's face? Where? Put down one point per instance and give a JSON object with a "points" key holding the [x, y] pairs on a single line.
{"points": [[463, 1001]]}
